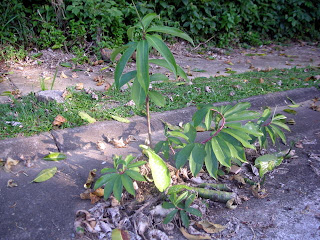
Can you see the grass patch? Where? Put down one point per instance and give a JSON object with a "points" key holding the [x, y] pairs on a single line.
{"points": [[36, 117]]}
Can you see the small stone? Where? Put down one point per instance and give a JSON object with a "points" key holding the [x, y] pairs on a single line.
{"points": [[50, 95]]}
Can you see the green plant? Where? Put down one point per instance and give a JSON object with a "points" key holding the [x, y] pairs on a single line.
{"points": [[228, 139], [120, 175], [141, 42], [181, 204]]}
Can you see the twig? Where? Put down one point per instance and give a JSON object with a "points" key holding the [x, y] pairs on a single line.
{"points": [[202, 43], [150, 202]]}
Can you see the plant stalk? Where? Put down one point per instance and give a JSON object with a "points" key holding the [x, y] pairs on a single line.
{"points": [[148, 121]]}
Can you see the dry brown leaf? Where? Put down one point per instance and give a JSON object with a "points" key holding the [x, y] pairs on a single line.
{"points": [[228, 62], [99, 83], [193, 237], [235, 169], [11, 183], [63, 75], [230, 205], [90, 178], [9, 163], [99, 192], [85, 195], [258, 192], [101, 145], [59, 120], [65, 93], [94, 198], [298, 144], [120, 143], [261, 80], [238, 178], [107, 86], [210, 227], [79, 86]]}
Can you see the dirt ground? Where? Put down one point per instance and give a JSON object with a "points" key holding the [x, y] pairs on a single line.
{"points": [[289, 209]]}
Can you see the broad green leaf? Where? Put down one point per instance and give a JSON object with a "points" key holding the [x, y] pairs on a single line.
{"points": [[182, 197], [182, 73], [129, 158], [142, 65], [116, 51], [291, 111], [45, 174], [108, 170], [148, 19], [208, 120], [190, 132], [104, 179], [66, 64], [172, 31], [128, 184], [184, 218], [265, 115], [263, 139], [267, 163], [235, 147], [243, 115], [248, 128], [159, 146], [164, 51], [55, 156], [137, 93], [201, 114], [159, 169], [157, 98], [189, 200], [117, 188], [125, 78], [281, 124], [123, 62], [178, 134], [194, 211], [211, 161], [130, 33], [221, 151], [182, 157], [167, 205], [158, 77], [175, 140], [197, 158], [108, 188], [279, 117], [240, 136], [86, 117], [137, 164], [120, 119], [135, 175], [271, 134], [279, 133], [161, 63], [178, 188], [237, 108], [170, 216]]}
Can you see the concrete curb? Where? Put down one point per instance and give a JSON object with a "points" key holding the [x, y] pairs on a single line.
{"points": [[85, 137]]}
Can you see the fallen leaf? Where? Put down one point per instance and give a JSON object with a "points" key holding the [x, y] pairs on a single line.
{"points": [[298, 144], [261, 80], [59, 120], [11, 183], [230, 205], [207, 89], [193, 237], [130, 103], [99, 192], [90, 179], [291, 111], [120, 143], [238, 178], [228, 62], [66, 64], [210, 227], [119, 234], [55, 156], [235, 169], [120, 119], [258, 192], [9, 163], [99, 83], [86, 117], [79, 86], [198, 70], [63, 75], [74, 75], [101, 145], [45, 175], [85, 195], [232, 93], [94, 198], [66, 94]]}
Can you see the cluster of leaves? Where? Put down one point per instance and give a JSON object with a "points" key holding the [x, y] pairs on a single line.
{"points": [[228, 140], [120, 175], [43, 24]]}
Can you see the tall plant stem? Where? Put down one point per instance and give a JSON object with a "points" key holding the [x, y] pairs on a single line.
{"points": [[148, 120]]}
